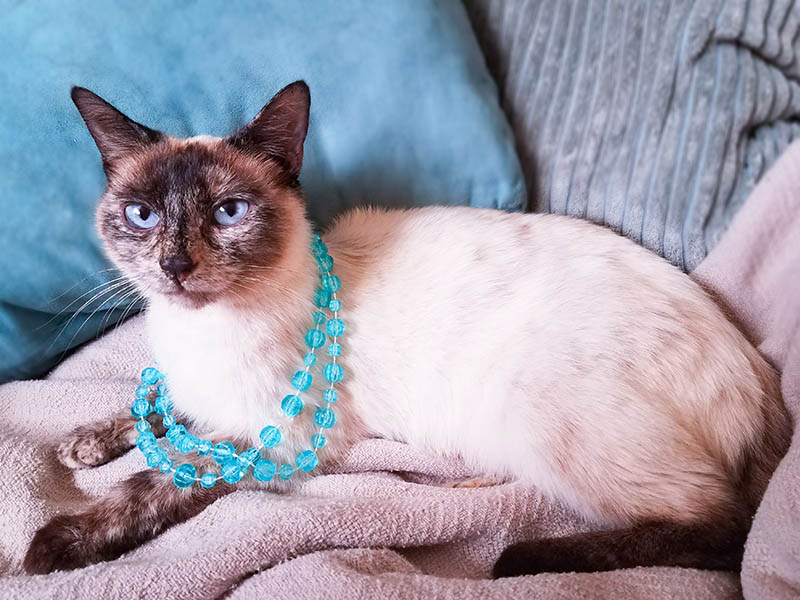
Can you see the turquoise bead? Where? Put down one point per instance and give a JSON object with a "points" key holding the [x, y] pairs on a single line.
{"points": [[325, 262], [222, 452], [318, 248], [264, 470], [333, 372], [141, 408], [335, 327], [286, 472], [302, 380], [325, 418], [292, 405], [315, 338], [161, 390], [332, 283], [335, 305], [175, 432], [166, 466], [232, 471], [310, 359], [142, 391], [322, 298], [319, 318], [249, 457], [204, 447], [184, 475], [307, 460], [330, 395], [145, 438], [163, 405], [186, 443], [142, 426], [270, 436], [207, 480], [168, 421], [318, 440], [155, 458], [150, 376], [335, 349]]}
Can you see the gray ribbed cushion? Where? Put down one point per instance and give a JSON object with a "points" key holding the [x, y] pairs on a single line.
{"points": [[656, 118]]}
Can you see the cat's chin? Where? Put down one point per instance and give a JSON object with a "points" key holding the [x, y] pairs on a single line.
{"points": [[187, 299]]}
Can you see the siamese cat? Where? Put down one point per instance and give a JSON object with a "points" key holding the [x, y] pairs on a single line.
{"points": [[538, 348]]}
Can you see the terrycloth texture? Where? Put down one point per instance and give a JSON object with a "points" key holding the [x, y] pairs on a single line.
{"points": [[404, 113], [382, 527], [755, 271], [656, 118]]}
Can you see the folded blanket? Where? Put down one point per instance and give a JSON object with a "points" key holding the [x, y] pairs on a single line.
{"points": [[384, 525]]}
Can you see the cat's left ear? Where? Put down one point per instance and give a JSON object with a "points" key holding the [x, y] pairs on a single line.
{"points": [[115, 134], [280, 128]]}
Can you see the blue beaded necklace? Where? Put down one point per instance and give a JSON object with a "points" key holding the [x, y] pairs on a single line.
{"points": [[234, 464]]}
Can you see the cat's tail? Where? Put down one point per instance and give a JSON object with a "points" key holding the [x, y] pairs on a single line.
{"points": [[717, 546]]}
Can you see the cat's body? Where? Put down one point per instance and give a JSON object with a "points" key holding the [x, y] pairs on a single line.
{"points": [[537, 348]]}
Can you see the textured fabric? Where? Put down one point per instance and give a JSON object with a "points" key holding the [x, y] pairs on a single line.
{"points": [[382, 526], [404, 112], [655, 118], [755, 271]]}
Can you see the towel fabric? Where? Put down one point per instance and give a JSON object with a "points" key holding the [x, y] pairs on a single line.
{"points": [[383, 525], [656, 118]]}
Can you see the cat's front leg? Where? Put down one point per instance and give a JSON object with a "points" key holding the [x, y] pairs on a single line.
{"points": [[136, 510], [98, 443]]}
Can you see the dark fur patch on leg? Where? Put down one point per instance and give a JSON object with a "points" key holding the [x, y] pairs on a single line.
{"points": [[137, 510], [655, 543], [98, 443]]}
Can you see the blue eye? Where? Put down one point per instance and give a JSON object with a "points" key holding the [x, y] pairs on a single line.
{"points": [[141, 217], [231, 212]]}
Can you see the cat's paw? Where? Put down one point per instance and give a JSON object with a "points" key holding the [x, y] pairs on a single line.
{"points": [[92, 445], [60, 545]]}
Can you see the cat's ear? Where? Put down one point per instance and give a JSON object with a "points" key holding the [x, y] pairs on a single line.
{"points": [[115, 134], [280, 128]]}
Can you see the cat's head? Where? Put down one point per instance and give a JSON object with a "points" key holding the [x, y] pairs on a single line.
{"points": [[194, 220]]}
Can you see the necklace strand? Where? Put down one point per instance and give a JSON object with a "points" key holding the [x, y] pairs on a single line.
{"points": [[234, 465]]}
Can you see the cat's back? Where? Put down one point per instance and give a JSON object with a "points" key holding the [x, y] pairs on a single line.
{"points": [[557, 323]]}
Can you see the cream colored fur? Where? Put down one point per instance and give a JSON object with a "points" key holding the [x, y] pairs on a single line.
{"points": [[533, 346]]}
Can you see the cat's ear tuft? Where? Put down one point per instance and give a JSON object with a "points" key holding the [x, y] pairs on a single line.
{"points": [[280, 128], [115, 134]]}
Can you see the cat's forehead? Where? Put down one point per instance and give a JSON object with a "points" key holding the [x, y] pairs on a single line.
{"points": [[202, 167]]}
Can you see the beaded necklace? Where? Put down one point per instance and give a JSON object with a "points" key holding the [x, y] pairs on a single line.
{"points": [[235, 464]]}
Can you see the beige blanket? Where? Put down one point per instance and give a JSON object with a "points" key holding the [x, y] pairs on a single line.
{"points": [[383, 525]]}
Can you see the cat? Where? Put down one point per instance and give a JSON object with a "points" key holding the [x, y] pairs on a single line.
{"points": [[538, 348]]}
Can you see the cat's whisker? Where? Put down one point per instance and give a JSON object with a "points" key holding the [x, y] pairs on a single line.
{"points": [[109, 312], [139, 297], [91, 314], [271, 284], [78, 299], [80, 281], [98, 295]]}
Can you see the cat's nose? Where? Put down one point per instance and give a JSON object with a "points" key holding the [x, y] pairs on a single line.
{"points": [[178, 265]]}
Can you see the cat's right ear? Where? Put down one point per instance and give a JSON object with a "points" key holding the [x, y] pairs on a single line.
{"points": [[115, 134]]}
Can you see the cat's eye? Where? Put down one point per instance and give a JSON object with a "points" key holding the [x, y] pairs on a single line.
{"points": [[140, 217], [231, 212]]}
